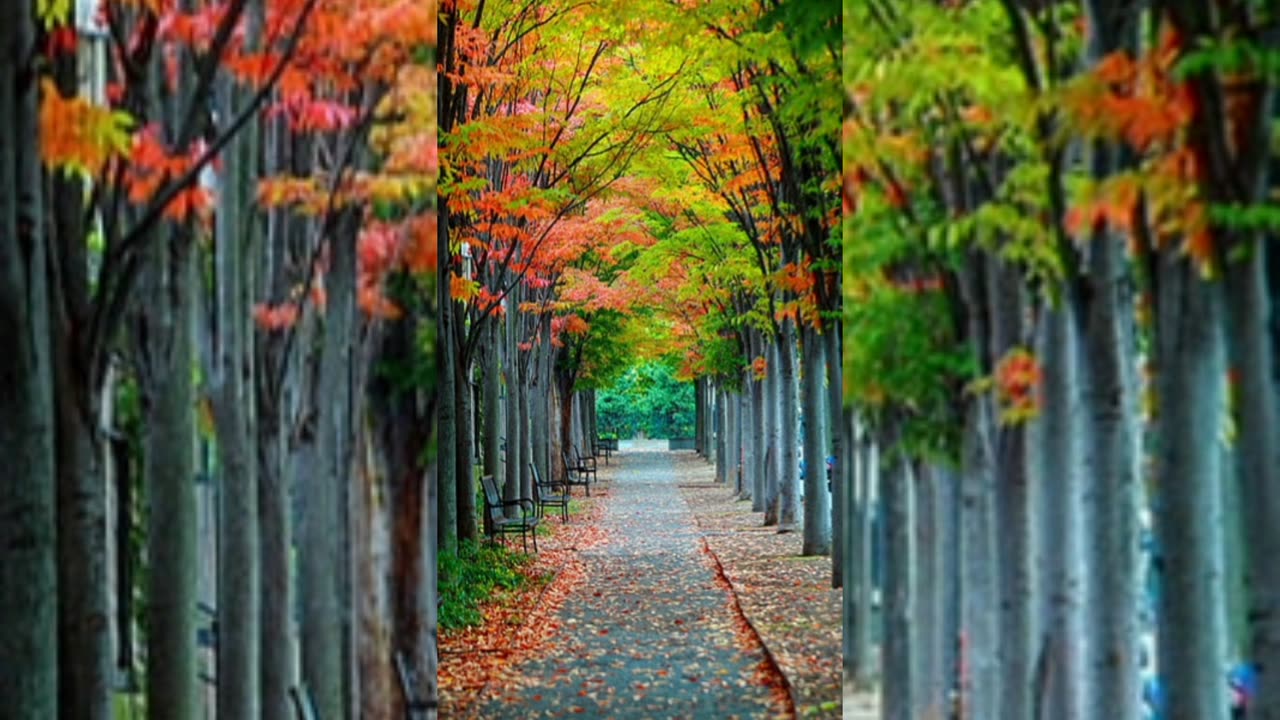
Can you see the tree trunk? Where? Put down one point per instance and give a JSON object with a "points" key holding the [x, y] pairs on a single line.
{"points": [[979, 576], [398, 433], [82, 503], [861, 580], [946, 599], [29, 620], [278, 643], [757, 455], [280, 400], [1108, 451], [546, 404], [900, 636], [169, 402], [789, 479], [447, 464], [322, 557], [773, 436], [526, 433], [846, 576], [491, 361], [1189, 362], [466, 484], [1260, 470], [1109, 448], [1058, 472], [721, 427], [239, 582], [699, 415], [817, 501], [841, 450], [928, 608], [511, 486], [1014, 507], [734, 440]]}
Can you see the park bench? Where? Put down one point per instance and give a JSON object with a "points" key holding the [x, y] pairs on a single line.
{"points": [[500, 524], [587, 463], [606, 447], [415, 708], [575, 474], [548, 494]]}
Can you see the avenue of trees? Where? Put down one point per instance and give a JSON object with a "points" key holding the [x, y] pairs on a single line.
{"points": [[630, 182], [1059, 280], [218, 290]]}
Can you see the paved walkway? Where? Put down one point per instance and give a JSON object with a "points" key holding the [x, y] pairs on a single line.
{"points": [[650, 634]]}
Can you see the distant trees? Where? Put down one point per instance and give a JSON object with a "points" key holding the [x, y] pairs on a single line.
{"points": [[648, 399]]}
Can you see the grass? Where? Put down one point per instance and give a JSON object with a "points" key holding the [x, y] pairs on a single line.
{"points": [[471, 577]]}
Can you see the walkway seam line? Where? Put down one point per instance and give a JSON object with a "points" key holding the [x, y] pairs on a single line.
{"points": [[737, 605]]}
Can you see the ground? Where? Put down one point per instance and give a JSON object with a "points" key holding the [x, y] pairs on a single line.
{"points": [[663, 593]]}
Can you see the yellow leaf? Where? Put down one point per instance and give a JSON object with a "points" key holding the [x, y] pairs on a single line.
{"points": [[78, 136]]}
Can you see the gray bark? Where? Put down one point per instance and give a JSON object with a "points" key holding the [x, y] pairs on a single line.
{"points": [[323, 528], [774, 451], [721, 431], [1108, 451], [1058, 472], [817, 501], [239, 582], [492, 402], [946, 600], [447, 461], [278, 394], [1189, 362], [82, 503], [466, 483], [759, 422], [526, 432], [860, 583], [699, 415], [278, 643], [511, 489], [789, 478], [1014, 498], [841, 450], [1108, 445], [28, 619], [846, 576], [928, 605], [979, 577], [166, 364], [1259, 464], [732, 442], [900, 635]]}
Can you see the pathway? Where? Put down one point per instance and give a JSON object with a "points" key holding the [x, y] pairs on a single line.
{"points": [[650, 634]]}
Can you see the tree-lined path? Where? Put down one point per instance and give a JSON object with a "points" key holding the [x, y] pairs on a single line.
{"points": [[633, 195], [650, 632]]}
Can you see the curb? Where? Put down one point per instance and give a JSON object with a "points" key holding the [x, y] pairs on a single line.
{"points": [[770, 658]]}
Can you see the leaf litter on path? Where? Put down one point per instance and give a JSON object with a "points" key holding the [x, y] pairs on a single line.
{"points": [[787, 598], [646, 631]]}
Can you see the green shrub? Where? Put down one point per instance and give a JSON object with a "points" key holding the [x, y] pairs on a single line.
{"points": [[472, 576]]}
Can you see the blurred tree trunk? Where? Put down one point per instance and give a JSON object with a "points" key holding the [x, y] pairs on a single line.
{"points": [[28, 619]]}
